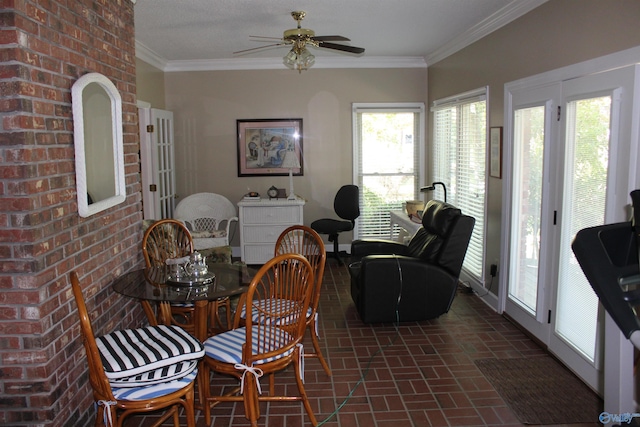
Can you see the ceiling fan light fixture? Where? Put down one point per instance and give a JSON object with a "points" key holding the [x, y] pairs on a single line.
{"points": [[299, 60], [290, 58]]}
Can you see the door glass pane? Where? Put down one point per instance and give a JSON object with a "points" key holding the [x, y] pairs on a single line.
{"points": [[525, 235], [163, 132], [586, 166]]}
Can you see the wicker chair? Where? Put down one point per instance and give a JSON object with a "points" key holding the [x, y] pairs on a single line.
{"points": [[303, 240], [166, 239], [165, 383], [208, 216], [269, 342]]}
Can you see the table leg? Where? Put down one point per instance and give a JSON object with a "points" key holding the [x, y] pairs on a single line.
{"points": [[201, 317]]}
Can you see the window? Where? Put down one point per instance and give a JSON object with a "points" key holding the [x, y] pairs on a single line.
{"points": [[388, 166], [459, 160]]}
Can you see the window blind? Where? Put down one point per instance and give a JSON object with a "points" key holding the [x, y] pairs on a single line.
{"points": [[459, 160], [388, 168]]}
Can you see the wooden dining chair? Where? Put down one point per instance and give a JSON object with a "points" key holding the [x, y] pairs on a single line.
{"points": [[305, 241], [124, 385], [280, 293], [168, 239]]}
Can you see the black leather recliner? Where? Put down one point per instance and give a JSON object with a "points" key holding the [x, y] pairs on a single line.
{"points": [[392, 282]]}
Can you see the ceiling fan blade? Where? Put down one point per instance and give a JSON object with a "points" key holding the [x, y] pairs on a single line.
{"points": [[344, 48], [266, 37], [258, 48], [331, 39]]}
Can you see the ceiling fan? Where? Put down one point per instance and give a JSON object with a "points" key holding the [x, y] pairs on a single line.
{"points": [[299, 58]]}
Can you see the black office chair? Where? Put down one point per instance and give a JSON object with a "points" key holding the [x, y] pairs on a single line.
{"points": [[347, 205]]}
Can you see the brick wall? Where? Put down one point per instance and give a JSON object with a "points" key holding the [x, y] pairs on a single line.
{"points": [[46, 45]]}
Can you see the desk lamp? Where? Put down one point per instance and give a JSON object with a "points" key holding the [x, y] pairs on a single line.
{"points": [[432, 187], [291, 162]]}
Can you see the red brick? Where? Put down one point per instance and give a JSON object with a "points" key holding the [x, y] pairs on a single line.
{"points": [[36, 13], [9, 71], [25, 24], [8, 36], [25, 154], [20, 328]]}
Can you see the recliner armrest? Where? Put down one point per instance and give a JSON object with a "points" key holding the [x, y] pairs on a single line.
{"points": [[364, 247]]}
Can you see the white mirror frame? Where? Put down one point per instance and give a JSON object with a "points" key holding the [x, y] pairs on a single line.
{"points": [[84, 208]]}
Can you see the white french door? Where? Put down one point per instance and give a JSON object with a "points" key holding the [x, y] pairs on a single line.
{"points": [[531, 243], [570, 170], [157, 163]]}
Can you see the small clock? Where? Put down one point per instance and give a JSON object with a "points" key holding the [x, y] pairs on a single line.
{"points": [[272, 192]]}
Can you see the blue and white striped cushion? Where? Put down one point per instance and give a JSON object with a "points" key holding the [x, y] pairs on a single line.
{"points": [[131, 352], [255, 313], [162, 375], [182, 304], [227, 346], [156, 390]]}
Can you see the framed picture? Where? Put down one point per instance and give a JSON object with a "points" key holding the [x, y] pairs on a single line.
{"points": [[495, 152], [269, 147]]}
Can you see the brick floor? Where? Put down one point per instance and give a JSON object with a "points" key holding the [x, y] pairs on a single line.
{"points": [[412, 375]]}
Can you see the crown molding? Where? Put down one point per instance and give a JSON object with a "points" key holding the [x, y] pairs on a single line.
{"points": [[150, 57], [498, 20], [276, 63]]}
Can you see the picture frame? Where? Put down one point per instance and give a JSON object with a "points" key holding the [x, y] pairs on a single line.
{"points": [[263, 145], [495, 152]]}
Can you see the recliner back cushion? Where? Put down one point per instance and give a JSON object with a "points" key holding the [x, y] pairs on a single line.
{"points": [[418, 242], [437, 221]]}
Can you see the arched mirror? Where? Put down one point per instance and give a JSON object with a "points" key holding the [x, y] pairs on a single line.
{"points": [[97, 123]]}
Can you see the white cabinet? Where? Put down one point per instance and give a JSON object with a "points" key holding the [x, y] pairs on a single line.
{"points": [[261, 222]]}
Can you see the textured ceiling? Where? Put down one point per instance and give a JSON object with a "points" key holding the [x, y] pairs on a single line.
{"points": [[209, 31]]}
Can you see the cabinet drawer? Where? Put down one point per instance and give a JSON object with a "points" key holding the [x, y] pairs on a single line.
{"points": [[258, 254], [262, 234], [272, 215]]}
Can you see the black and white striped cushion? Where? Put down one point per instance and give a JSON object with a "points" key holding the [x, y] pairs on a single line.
{"points": [[132, 352], [168, 373]]}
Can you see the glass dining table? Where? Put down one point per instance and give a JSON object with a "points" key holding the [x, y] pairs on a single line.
{"points": [[154, 284]]}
